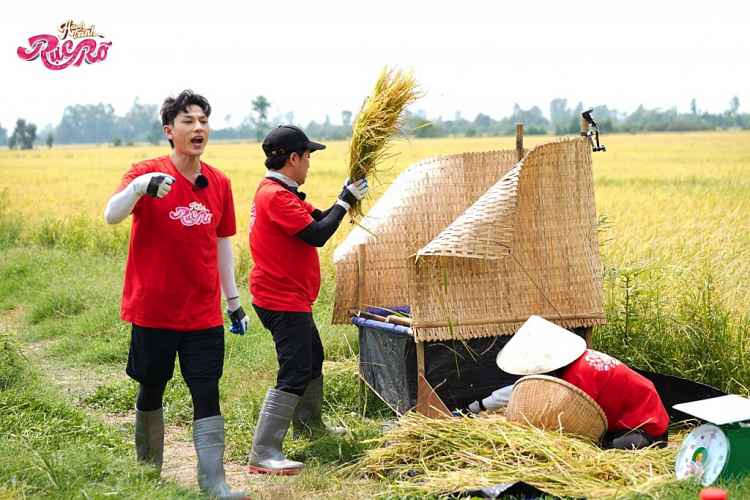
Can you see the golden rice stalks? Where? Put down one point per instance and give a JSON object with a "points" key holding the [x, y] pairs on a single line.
{"points": [[435, 456], [378, 121]]}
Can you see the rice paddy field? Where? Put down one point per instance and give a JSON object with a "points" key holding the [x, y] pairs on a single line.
{"points": [[674, 214]]}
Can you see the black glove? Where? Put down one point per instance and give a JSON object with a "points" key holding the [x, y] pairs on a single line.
{"points": [[154, 184], [159, 186], [240, 322]]}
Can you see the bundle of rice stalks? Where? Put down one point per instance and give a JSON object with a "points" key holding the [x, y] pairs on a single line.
{"points": [[431, 456], [378, 121]]}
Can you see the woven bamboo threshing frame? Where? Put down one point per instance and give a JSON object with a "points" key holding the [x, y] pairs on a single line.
{"points": [[477, 242]]}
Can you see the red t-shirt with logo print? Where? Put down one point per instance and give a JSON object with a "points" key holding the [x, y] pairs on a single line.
{"points": [[286, 270], [629, 399], [172, 275]]}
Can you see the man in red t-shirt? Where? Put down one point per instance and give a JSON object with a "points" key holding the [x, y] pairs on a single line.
{"points": [[285, 231], [636, 416], [179, 256]]}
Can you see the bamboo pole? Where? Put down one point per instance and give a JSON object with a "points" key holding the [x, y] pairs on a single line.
{"points": [[420, 358], [519, 141], [391, 318], [491, 321], [361, 277], [361, 301], [398, 320], [588, 334]]}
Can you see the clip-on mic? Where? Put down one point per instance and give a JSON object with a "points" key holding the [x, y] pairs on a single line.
{"points": [[200, 182]]}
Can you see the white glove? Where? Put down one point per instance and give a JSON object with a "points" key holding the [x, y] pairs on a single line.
{"points": [[357, 188], [353, 191], [496, 400], [155, 184]]}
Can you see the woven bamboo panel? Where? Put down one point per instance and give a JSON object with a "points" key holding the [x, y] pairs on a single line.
{"points": [[553, 268], [485, 230], [544, 258], [423, 201]]}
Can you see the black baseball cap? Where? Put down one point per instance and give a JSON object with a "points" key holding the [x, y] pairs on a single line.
{"points": [[286, 139]]}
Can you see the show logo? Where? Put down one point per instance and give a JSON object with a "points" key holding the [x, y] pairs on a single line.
{"points": [[194, 214], [75, 43]]}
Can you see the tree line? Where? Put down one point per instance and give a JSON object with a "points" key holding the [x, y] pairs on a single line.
{"points": [[98, 123]]}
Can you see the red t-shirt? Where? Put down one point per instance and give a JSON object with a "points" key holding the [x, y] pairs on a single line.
{"points": [[628, 399], [286, 271], [172, 275]]}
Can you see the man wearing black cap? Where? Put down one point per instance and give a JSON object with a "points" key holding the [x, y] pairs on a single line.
{"points": [[284, 281]]}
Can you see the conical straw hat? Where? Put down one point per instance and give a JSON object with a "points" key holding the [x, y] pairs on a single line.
{"points": [[539, 346]]}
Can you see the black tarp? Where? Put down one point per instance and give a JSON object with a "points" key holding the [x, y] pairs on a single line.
{"points": [[387, 362], [460, 371], [675, 390], [517, 490]]}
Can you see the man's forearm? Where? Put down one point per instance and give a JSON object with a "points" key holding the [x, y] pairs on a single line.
{"points": [[318, 215], [120, 205], [318, 232], [226, 272]]}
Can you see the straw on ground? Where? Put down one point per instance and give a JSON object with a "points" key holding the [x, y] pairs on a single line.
{"points": [[437, 456]]}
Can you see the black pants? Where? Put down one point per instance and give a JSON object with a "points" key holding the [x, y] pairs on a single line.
{"points": [[299, 350]]}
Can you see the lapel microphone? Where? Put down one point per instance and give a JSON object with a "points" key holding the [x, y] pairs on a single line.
{"points": [[200, 182]]}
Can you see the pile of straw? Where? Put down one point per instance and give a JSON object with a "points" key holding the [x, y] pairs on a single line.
{"points": [[378, 121], [431, 456]]}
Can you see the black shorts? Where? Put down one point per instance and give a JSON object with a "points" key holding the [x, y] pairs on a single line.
{"points": [[153, 352]]}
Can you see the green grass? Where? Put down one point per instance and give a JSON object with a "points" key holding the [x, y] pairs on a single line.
{"points": [[676, 257], [119, 398], [49, 449], [84, 331], [689, 334], [58, 305], [13, 366]]}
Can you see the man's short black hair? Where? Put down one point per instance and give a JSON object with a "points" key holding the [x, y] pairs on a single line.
{"points": [[277, 162], [173, 105]]}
